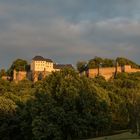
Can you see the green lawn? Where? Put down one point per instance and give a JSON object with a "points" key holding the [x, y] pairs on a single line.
{"points": [[123, 136]]}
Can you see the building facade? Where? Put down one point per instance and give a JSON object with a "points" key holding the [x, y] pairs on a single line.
{"points": [[42, 67], [40, 64]]}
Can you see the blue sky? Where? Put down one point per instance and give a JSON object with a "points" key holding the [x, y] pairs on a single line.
{"points": [[69, 30]]}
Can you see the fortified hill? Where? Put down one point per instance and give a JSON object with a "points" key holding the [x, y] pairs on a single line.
{"points": [[40, 67]]}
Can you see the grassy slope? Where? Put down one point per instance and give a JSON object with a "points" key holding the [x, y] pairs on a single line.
{"points": [[123, 136]]}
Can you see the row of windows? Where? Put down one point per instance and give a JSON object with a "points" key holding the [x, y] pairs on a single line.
{"points": [[39, 64], [43, 62], [38, 67], [39, 61], [43, 65]]}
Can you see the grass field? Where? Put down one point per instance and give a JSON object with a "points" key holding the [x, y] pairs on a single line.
{"points": [[123, 136]]}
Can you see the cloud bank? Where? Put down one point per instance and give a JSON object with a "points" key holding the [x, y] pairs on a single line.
{"points": [[69, 30]]}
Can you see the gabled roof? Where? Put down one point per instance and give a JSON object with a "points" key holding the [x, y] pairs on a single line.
{"points": [[62, 66], [48, 60], [40, 58]]}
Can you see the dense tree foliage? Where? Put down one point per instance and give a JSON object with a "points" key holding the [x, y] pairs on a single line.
{"points": [[3, 72], [105, 62], [95, 63], [100, 62], [81, 66], [69, 107], [66, 106], [18, 65], [124, 61]]}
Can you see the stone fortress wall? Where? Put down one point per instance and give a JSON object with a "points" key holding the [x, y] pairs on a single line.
{"points": [[42, 67], [19, 75], [109, 72], [37, 75], [32, 76]]}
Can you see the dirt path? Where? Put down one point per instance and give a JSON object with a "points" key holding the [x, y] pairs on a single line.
{"points": [[123, 136]]}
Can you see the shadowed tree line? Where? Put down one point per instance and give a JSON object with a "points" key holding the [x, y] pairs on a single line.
{"points": [[18, 65], [65, 106]]}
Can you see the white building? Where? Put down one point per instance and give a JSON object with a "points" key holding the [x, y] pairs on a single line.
{"points": [[41, 64]]}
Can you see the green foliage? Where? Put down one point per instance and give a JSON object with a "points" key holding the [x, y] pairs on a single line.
{"points": [[94, 63], [124, 61], [18, 65], [66, 106], [108, 62], [7, 114], [12, 96], [7, 106], [100, 62], [81, 66], [2, 73]]}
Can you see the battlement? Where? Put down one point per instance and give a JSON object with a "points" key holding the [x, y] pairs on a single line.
{"points": [[106, 72], [109, 72]]}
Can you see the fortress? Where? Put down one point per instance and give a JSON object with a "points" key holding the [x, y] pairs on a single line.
{"points": [[110, 72], [41, 67]]}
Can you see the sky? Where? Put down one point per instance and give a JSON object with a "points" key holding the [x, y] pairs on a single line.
{"points": [[68, 31]]}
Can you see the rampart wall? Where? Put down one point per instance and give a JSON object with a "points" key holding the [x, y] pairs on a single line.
{"points": [[109, 72], [33, 76], [19, 75]]}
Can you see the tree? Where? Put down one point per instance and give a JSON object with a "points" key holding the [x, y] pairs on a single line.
{"points": [[124, 61], [2, 73], [18, 65], [8, 120], [66, 107], [108, 62], [97, 62], [81, 66], [94, 63]]}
